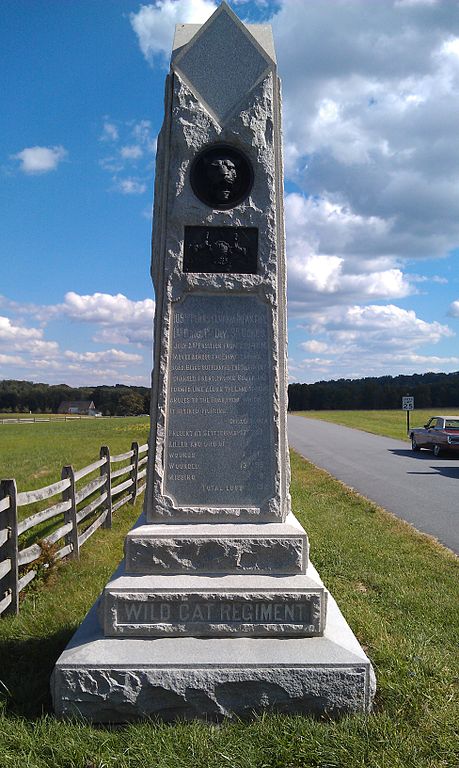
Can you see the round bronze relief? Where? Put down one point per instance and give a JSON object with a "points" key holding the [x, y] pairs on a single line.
{"points": [[221, 176]]}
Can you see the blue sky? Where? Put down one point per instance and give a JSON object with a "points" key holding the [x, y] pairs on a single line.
{"points": [[371, 147]]}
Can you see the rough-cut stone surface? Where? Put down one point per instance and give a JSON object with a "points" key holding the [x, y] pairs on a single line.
{"points": [[113, 680], [154, 606], [253, 128], [264, 548]]}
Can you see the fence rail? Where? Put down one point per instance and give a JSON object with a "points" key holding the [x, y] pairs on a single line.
{"points": [[57, 417], [78, 514]]}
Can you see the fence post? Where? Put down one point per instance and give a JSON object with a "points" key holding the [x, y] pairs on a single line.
{"points": [[106, 470], [135, 471], [10, 580], [70, 514]]}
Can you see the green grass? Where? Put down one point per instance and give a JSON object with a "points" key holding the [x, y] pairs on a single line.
{"points": [[34, 454], [397, 588], [388, 423]]}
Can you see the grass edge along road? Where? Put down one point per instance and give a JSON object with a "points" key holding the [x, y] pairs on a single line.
{"points": [[386, 423], [396, 587]]}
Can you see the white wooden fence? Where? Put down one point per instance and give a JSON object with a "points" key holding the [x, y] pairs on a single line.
{"points": [[56, 418], [101, 497]]}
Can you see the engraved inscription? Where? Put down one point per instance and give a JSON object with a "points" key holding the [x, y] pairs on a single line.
{"points": [[219, 450], [229, 250], [239, 612]]}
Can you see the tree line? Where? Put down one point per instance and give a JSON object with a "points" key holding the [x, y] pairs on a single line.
{"points": [[118, 400], [430, 390]]}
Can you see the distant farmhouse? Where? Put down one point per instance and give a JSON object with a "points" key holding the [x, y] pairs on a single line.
{"points": [[79, 407]]}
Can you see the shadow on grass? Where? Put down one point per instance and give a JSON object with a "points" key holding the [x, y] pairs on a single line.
{"points": [[26, 669]]}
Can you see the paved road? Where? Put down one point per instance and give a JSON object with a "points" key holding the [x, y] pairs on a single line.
{"points": [[416, 487]]}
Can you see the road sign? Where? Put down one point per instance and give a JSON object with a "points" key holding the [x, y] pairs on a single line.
{"points": [[408, 403]]}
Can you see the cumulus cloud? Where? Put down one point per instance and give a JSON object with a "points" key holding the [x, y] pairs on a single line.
{"points": [[26, 352], [119, 319], [336, 256], [358, 341], [371, 107], [377, 128], [11, 359], [15, 337], [35, 160], [154, 24]]}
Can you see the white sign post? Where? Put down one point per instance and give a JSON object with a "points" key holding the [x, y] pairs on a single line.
{"points": [[408, 405]]}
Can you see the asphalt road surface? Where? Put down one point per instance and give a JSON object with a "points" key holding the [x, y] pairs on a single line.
{"points": [[417, 487]]}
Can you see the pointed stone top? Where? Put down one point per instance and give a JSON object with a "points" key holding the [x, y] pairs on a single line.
{"points": [[222, 60]]}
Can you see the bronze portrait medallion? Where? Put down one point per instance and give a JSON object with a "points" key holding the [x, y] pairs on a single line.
{"points": [[221, 176]]}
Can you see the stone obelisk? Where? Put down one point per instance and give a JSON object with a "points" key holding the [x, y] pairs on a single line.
{"points": [[216, 609]]}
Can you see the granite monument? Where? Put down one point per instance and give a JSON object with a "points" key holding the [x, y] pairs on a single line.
{"points": [[216, 609]]}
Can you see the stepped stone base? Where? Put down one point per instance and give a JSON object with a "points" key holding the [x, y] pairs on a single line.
{"points": [[125, 679], [263, 548], [213, 606]]}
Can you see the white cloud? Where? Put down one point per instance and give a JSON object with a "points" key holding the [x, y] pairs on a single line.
{"points": [[12, 333], [131, 187], [314, 346], [120, 320], [358, 341], [451, 47], [454, 309], [132, 152], [375, 324], [11, 360], [109, 356], [371, 107], [109, 132], [35, 160], [24, 339], [142, 133], [154, 24], [415, 2], [25, 352], [132, 144], [336, 256]]}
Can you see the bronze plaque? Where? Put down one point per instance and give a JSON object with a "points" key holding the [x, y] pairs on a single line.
{"points": [[231, 250]]}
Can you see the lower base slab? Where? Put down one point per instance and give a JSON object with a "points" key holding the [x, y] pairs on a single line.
{"points": [[124, 679]]}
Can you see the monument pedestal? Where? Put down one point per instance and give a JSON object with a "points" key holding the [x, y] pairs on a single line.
{"points": [[212, 645], [109, 679], [217, 610]]}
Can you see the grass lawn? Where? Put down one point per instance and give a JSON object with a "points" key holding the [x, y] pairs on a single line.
{"points": [[397, 588], [388, 423], [34, 454]]}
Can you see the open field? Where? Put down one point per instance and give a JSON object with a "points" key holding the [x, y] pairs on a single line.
{"points": [[388, 423], [397, 588], [34, 454]]}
